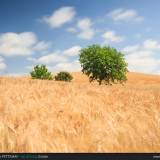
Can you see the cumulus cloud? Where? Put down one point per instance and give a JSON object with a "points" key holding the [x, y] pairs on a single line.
{"points": [[131, 48], [151, 44], [57, 57], [42, 46], [144, 64], [121, 14], [67, 66], [71, 30], [60, 17], [2, 64], [111, 36], [83, 29], [49, 58], [84, 24], [87, 34], [17, 43], [20, 44], [59, 60], [61, 66], [142, 58], [147, 45], [73, 51], [86, 30]]}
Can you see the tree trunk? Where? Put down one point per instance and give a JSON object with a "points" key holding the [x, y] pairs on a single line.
{"points": [[100, 82]]}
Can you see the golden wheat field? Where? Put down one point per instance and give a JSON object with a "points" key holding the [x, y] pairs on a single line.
{"points": [[50, 116]]}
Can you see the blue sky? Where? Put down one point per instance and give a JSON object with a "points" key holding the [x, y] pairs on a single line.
{"points": [[52, 32]]}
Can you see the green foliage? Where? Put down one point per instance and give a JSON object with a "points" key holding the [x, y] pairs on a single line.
{"points": [[41, 72], [63, 76], [104, 64]]}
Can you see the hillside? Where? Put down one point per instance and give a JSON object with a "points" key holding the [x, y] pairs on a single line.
{"points": [[49, 116]]}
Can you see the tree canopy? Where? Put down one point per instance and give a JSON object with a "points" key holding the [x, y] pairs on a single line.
{"points": [[104, 64]]}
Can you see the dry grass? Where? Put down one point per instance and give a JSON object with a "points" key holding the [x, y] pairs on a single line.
{"points": [[48, 116]]}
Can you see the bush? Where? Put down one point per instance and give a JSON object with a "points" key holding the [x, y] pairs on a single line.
{"points": [[41, 72], [103, 64], [63, 76]]}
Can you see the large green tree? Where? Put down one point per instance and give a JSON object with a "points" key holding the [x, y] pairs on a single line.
{"points": [[104, 64]]}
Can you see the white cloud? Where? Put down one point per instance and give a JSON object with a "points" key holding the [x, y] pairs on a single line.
{"points": [[111, 36], [49, 58], [61, 66], [86, 34], [56, 57], [151, 44], [2, 64], [84, 24], [42, 45], [83, 29], [71, 30], [142, 58], [1, 59], [86, 30], [20, 44], [17, 44], [148, 45], [66, 66], [125, 15], [60, 60], [60, 17], [73, 51], [130, 49], [144, 64]]}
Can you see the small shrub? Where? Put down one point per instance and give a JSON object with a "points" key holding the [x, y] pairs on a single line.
{"points": [[41, 72], [63, 76]]}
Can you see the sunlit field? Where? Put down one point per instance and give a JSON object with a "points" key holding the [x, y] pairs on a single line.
{"points": [[78, 116]]}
